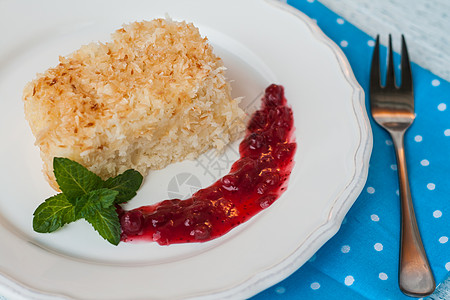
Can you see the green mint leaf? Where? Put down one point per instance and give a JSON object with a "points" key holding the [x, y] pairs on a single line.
{"points": [[98, 208], [73, 179], [94, 201], [54, 213], [126, 184], [106, 222], [86, 195]]}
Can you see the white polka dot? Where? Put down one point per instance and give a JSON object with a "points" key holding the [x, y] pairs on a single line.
{"points": [[370, 190], [374, 218], [437, 214], [378, 247], [447, 132], [371, 43], [382, 276], [418, 138], [435, 82], [389, 142], [431, 186], [345, 249], [344, 43], [315, 285], [397, 192], [394, 167], [399, 67], [280, 290], [310, 1], [447, 266], [340, 21], [424, 162], [349, 280], [442, 106], [443, 239]]}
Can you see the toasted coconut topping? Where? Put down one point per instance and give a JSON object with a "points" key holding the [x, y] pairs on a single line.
{"points": [[154, 95]]}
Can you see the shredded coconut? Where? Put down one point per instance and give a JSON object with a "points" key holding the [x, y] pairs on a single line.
{"points": [[154, 95]]}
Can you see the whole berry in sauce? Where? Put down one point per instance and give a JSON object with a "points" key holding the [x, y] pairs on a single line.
{"points": [[273, 95], [131, 222]]}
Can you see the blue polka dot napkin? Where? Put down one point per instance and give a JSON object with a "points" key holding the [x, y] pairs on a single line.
{"points": [[361, 260]]}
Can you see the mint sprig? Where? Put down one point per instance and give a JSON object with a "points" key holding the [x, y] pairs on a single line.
{"points": [[126, 184], [73, 179], [86, 196], [54, 213], [106, 223]]}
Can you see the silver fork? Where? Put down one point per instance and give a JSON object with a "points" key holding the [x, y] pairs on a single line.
{"points": [[392, 108]]}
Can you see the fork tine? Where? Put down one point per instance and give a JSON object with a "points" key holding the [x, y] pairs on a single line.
{"points": [[406, 77], [375, 79], [390, 76]]}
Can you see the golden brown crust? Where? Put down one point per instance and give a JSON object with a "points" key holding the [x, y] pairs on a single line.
{"points": [[109, 105]]}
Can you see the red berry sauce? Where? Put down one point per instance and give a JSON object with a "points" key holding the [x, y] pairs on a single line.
{"points": [[255, 181]]}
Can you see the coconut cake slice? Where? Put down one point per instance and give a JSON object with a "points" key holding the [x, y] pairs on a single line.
{"points": [[155, 94]]}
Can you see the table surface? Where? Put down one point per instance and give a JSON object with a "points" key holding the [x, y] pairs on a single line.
{"points": [[425, 24]]}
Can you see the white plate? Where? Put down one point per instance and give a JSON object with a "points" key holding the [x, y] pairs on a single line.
{"points": [[261, 42]]}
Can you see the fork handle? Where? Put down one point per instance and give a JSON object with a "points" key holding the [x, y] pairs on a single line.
{"points": [[415, 275]]}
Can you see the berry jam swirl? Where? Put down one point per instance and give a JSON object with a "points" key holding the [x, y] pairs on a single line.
{"points": [[254, 182]]}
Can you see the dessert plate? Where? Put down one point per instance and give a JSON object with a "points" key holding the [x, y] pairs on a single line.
{"points": [[260, 42]]}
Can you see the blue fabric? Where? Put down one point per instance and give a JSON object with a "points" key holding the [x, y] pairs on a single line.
{"points": [[361, 260]]}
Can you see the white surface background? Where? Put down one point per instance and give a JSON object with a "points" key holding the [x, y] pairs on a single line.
{"points": [[426, 26]]}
